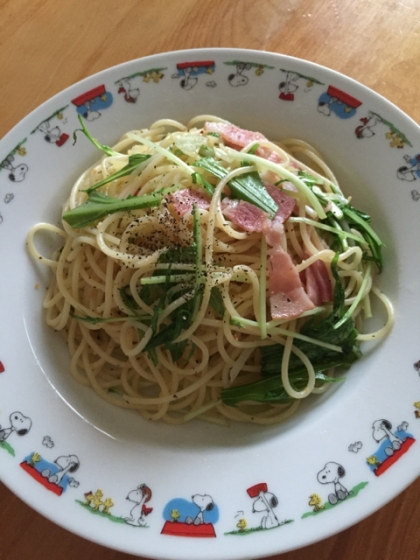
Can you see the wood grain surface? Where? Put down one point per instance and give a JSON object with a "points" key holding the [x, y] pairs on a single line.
{"points": [[47, 45]]}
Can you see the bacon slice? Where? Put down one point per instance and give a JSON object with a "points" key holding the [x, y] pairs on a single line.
{"points": [[244, 214], [237, 138], [273, 229], [288, 298], [181, 202], [318, 283], [286, 203], [251, 218]]}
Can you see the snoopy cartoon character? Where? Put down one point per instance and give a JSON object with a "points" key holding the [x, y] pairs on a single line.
{"points": [[204, 502], [238, 79], [66, 464], [130, 93], [189, 72], [288, 86], [189, 80], [264, 501], [331, 474], [19, 424], [411, 171], [140, 496], [16, 174], [53, 135], [365, 129], [382, 429]]}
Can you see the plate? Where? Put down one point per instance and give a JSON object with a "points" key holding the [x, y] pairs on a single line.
{"points": [[130, 485]]}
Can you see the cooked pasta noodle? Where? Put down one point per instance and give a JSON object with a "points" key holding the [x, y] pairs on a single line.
{"points": [[168, 302]]}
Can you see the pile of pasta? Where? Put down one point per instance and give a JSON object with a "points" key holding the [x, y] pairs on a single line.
{"points": [[208, 272]]}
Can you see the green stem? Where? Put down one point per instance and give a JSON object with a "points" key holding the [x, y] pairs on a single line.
{"points": [[285, 174], [357, 299], [106, 149], [163, 151], [340, 232], [240, 323], [176, 278], [99, 205], [263, 288]]}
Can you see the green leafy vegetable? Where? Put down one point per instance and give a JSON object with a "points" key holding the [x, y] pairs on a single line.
{"points": [[216, 302], [342, 216], [177, 349], [247, 187], [270, 390], [128, 299], [181, 320], [150, 293], [361, 222], [206, 151], [157, 311], [284, 173], [308, 179], [321, 358], [352, 218], [99, 205], [185, 314], [134, 161], [253, 149], [198, 243], [106, 149], [198, 179], [345, 317], [98, 320], [323, 329]]}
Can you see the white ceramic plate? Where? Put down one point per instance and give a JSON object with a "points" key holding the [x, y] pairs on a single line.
{"points": [[49, 421]]}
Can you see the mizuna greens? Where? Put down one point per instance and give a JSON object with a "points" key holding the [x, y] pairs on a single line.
{"points": [[206, 272], [335, 329]]}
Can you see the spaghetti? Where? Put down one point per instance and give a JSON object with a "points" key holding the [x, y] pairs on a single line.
{"points": [[209, 272]]}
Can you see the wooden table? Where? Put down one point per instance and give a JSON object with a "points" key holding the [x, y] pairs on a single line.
{"points": [[46, 46]]}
